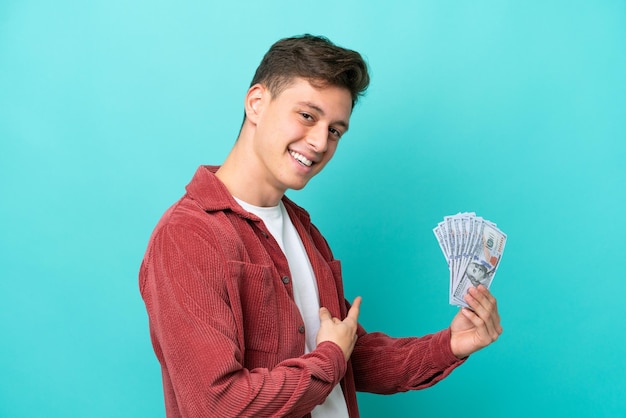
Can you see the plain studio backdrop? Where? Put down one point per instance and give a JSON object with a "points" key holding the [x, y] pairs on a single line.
{"points": [[513, 109]]}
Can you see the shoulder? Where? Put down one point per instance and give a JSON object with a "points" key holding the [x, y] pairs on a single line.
{"points": [[186, 227]]}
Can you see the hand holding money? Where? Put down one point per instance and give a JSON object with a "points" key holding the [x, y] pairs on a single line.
{"points": [[475, 328]]}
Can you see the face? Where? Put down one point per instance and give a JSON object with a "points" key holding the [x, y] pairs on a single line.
{"points": [[296, 133], [475, 272]]}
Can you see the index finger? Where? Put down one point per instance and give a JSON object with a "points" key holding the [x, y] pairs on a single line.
{"points": [[485, 296], [483, 303], [355, 309]]}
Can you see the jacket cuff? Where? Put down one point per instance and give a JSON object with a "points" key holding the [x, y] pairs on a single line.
{"points": [[338, 362], [442, 350]]}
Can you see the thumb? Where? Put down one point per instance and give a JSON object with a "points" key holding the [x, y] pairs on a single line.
{"points": [[325, 314]]}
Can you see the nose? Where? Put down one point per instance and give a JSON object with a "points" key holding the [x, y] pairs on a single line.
{"points": [[317, 138]]}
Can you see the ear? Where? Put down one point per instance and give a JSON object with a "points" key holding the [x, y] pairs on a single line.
{"points": [[255, 101]]}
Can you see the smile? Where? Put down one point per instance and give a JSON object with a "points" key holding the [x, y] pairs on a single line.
{"points": [[301, 159]]}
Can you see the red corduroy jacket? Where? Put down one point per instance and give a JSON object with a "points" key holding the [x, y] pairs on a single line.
{"points": [[226, 329]]}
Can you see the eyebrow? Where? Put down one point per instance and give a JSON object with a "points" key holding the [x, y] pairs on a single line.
{"points": [[321, 112]]}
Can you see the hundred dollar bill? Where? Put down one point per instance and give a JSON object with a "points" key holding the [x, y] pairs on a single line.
{"points": [[444, 241], [483, 263], [473, 248]]}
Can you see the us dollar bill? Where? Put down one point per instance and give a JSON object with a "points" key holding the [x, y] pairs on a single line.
{"points": [[473, 248]]}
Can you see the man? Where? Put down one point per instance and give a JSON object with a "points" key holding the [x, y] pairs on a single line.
{"points": [[244, 297]]}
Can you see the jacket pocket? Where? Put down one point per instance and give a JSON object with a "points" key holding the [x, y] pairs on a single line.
{"points": [[259, 306]]}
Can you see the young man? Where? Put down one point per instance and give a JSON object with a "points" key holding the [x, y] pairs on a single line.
{"points": [[244, 297]]}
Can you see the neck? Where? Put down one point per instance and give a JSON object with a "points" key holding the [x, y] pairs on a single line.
{"points": [[242, 178]]}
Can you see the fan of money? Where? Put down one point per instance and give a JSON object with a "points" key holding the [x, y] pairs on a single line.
{"points": [[473, 248]]}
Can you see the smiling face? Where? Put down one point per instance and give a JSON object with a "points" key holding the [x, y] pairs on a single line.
{"points": [[295, 134]]}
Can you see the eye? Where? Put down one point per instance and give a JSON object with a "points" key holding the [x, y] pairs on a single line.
{"points": [[335, 132], [306, 116]]}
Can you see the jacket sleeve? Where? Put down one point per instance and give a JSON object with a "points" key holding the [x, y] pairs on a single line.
{"points": [[387, 365], [197, 339]]}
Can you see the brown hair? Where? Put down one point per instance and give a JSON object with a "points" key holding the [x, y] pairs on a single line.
{"points": [[316, 59]]}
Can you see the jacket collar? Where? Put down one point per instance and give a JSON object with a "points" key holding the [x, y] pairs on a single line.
{"points": [[212, 195]]}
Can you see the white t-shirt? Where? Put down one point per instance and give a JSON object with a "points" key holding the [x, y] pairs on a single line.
{"points": [[305, 291]]}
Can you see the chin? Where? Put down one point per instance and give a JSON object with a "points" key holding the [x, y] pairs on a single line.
{"points": [[298, 182], [298, 186]]}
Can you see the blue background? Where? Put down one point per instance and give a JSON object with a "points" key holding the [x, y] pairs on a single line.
{"points": [[515, 110]]}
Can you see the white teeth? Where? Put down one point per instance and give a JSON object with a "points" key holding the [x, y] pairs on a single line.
{"points": [[301, 158]]}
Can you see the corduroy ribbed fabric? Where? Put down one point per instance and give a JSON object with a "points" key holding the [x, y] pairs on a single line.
{"points": [[227, 332]]}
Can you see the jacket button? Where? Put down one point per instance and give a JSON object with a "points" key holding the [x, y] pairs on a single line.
{"points": [[285, 279], [301, 329]]}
